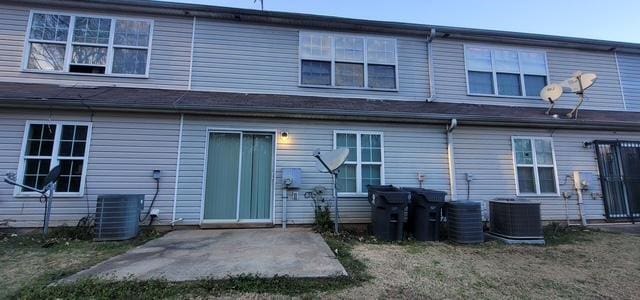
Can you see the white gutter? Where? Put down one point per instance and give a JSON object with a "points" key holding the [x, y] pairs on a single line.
{"points": [[452, 165], [624, 101], [175, 189], [193, 38], [432, 88]]}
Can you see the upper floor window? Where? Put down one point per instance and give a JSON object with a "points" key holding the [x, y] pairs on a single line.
{"points": [[505, 72], [88, 44], [347, 61], [535, 165], [364, 165], [48, 144]]}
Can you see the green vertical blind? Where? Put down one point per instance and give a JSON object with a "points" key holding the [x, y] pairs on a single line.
{"points": [[239, 174]]}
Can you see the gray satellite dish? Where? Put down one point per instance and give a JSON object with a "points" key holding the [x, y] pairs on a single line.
{"points": [[330, 162], [551, 93]]}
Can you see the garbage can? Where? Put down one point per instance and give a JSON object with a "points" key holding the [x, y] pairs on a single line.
{"points": [[388, 205], [425, 213]]}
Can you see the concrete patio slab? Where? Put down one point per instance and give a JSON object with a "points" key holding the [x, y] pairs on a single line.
{"points": [[632, 229], [185, 255]]}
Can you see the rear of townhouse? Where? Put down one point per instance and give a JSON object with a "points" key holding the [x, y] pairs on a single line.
{"points": [[197, 52]]}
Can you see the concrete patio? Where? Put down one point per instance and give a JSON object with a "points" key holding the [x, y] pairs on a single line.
{"points": [[185, 255]]}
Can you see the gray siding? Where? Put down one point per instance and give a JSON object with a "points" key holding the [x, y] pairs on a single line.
{"points": [[407, 151], [125, 148], [170, 52], [263, 59], [451, 83], [629, 65], [486, 153]]}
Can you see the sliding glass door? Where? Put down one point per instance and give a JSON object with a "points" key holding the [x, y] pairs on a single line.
{"points": [[239, 177]]}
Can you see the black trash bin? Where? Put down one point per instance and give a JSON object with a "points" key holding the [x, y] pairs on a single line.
{"points": [[425, 213], [388, 205]]}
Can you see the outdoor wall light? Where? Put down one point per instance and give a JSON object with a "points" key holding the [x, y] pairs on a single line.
{"points": [[284, 136]]}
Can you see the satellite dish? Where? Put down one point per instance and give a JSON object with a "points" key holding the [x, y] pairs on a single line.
{"points": [[551, 93], [579, 82], [331, 160]]}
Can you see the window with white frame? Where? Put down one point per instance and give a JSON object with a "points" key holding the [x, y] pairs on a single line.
{"points": [[505, 72], [48, 144], [535, 165], [347, 61], [364, 165], [88, 44]]}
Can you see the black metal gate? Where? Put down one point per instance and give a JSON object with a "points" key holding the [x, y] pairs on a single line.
{"points": [[619, 164]]}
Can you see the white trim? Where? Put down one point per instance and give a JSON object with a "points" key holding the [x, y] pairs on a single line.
{"points": [[332, 60], [358, 163], [239, 131], [193, 39], [624, 101], [534, 165], [521, 73], [175, 189], [69, 44], [55, 159]]}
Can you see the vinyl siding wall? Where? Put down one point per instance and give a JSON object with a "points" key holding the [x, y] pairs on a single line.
{"points": [[264, 59], [451, 82], [124, 150], [407, 151], [170, 51], [629, 65], [487, 154]]}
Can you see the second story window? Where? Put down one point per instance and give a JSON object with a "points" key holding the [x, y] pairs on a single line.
{"points": [[505, 72], [347, 61], [88, 44]]}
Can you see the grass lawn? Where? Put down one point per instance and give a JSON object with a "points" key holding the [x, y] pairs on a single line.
{"points": [[575, 264]]}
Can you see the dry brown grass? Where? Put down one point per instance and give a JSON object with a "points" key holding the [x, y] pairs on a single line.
{"points": [[586, 265]]}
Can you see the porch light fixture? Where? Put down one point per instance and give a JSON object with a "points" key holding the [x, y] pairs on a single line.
{"points": [[284, 136]]}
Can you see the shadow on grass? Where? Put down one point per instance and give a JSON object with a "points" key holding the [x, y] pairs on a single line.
{"points": [[159, 289]]}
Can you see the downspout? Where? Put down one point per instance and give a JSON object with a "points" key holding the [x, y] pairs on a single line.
{"points": [[624, 101], [432, 88], [175, 189], [452, 166]]}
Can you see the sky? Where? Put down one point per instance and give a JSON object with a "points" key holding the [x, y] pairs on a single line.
{"points": [[615, 20]]}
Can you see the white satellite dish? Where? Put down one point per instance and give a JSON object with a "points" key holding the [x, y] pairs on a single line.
{"points": [[331, 160], [578, 83]]}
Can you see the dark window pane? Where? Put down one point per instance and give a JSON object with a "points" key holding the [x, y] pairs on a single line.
{"points": [[526, 180], [316, 72], [74, 184], [348, 74], [533, 84], [62, 185], [382, 76], [33, 147], [81, 133], [67, 132], [480, 82], [35, 131], [509, 84], [78, 149], [49, 132], [65, 167], [46, 148], [35, 171], [65, 149], [547, 180]]}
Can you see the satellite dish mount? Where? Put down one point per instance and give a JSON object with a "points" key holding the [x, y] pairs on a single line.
{"points": [[331, 162], [577, 84]]}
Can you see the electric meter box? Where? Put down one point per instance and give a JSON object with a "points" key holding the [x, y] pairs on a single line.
{"points": [[292, 177], [584, 180]]}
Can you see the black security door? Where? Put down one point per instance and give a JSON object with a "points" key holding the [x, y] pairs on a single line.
{"points": [[619, 164]]}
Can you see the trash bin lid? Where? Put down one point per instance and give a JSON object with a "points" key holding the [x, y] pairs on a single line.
{"points": [[391, 198]]}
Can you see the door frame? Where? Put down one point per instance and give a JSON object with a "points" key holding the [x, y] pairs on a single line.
{"points": [[240, 131], [616, 143]]}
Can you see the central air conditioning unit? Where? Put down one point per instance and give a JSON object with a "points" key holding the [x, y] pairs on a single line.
{"points": [[118, 217], [515, 220]]}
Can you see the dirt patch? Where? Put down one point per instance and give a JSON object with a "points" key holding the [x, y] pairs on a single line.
{"points": [[596, 265]]}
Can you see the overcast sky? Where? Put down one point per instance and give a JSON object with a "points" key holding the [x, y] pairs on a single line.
{"points": [[617, 20]]}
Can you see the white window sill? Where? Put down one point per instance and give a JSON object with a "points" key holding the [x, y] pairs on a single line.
{"points": [[346, 88], [87, 74], [502, 96], [353, 195], [55, 195], [548, 195]]}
